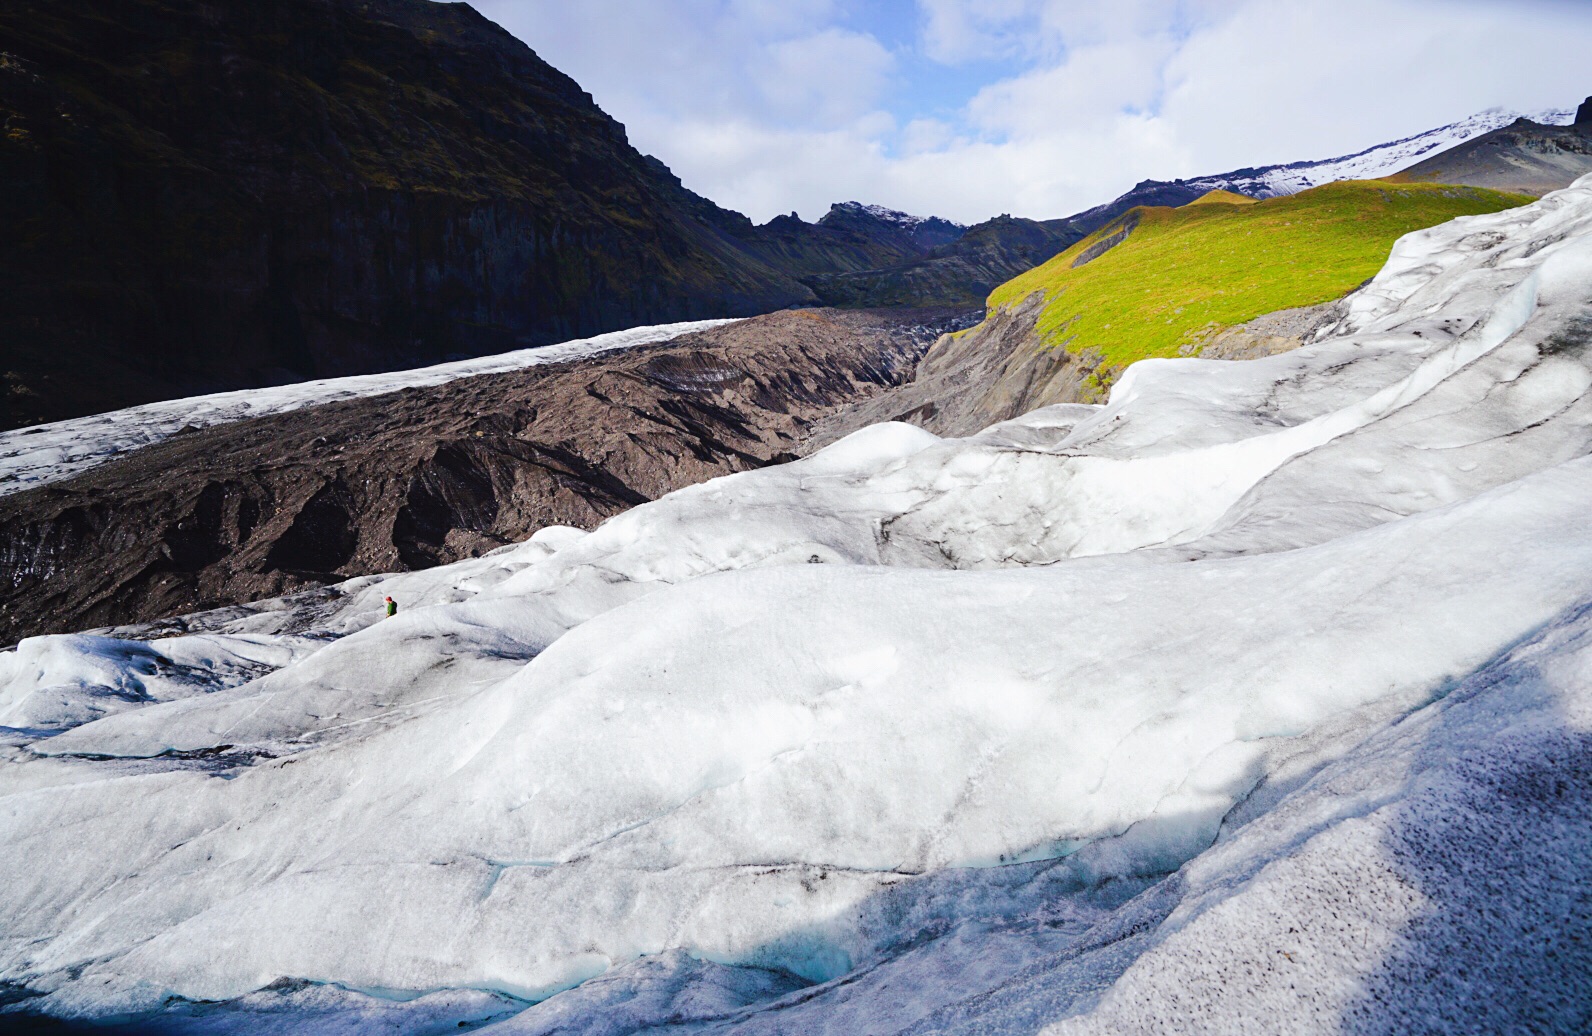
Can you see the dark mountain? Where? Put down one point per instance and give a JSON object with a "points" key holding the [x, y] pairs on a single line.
{"points": [[959, 272], [850, 237], [923, 231], [1524, 156], [868, 255], [205, 195]]}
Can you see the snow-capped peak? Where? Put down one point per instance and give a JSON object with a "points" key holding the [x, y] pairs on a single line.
{"points": [[905, 220]]}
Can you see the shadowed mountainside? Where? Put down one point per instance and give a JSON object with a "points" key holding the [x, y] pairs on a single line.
{"points": [[850, 237], [959, 272], [203, 196]]}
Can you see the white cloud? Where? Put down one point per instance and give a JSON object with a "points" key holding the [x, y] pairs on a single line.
{"points": [[825, 79], [921, 135], [1281, 81], [770, 105], [1089, 92], [956, 31]]}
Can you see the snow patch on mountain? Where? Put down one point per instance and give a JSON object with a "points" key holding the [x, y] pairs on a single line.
{"points": [[901, 219], [1374, 162], [895, 215], [1256, 699], [51, 452]]}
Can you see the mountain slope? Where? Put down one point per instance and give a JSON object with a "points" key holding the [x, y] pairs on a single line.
{"points": [[198, 197], [849, 237], [959, 272], [1256, 700], [1155, 282], [1524, 156], [1161, 282]]}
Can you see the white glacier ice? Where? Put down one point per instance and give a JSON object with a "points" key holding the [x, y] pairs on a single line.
{"points": [[46, 453], [1256, 700]]}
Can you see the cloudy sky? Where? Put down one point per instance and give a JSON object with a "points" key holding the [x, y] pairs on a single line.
{"points": [[1040, 108]]}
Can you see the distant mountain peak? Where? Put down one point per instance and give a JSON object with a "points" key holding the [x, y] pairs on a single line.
{"points": [[924, 232], [888, 215]]}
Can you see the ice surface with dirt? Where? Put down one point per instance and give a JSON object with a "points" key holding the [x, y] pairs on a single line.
{"points": [[47, 453], [1258, 699]]}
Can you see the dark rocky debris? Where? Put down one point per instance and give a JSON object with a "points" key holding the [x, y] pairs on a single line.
{"points": [[426, 476]]}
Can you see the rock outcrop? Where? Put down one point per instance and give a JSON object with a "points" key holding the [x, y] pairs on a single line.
{"points": [[992, 372], [1270, 334]]}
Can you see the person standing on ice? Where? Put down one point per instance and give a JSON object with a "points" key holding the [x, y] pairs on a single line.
{"points": [[392, 607]]}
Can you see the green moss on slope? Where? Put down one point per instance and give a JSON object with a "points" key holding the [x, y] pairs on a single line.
{"points": [[1181, 274]]}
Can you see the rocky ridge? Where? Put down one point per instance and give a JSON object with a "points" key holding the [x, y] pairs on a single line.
{"points": [[1526, 156], [1289, 178]]}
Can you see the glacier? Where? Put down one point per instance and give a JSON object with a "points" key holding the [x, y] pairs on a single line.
{"points": [[1258, 699]]}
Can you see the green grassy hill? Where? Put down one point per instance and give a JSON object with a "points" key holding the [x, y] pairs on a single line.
{"points": [[1159, 281]]}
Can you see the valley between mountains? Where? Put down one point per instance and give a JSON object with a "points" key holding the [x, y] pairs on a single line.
{"points": [[453, 578]]}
